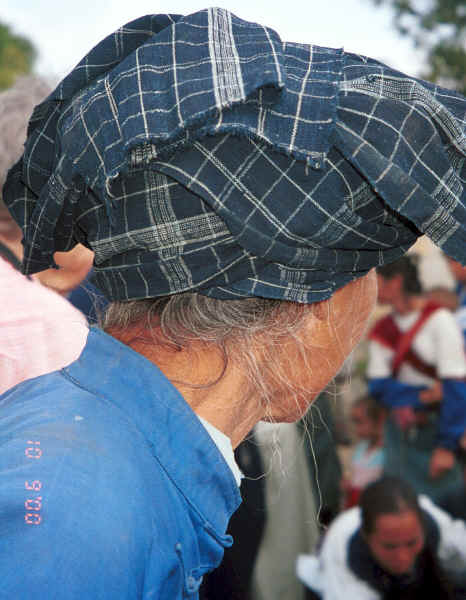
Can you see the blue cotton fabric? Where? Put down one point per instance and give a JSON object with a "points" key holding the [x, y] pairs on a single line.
{"points": [[110, 486], [203, 153]]}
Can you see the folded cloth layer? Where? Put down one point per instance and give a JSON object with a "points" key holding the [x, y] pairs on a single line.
{"points": [[203, 153]]}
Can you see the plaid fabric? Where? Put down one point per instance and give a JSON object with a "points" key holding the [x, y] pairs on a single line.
{"points": [[203, 153]]}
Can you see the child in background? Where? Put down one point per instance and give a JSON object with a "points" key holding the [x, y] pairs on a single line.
{"points": [[366, 465]]}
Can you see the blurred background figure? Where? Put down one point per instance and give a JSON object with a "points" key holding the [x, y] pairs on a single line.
{"points": [[40, 331], [394, 546], [416, 369], [72, 280], [443, 297], [291, 526], [459, 274], [455, 502], [367, 460]]}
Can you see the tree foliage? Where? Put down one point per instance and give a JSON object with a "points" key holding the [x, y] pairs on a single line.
{"points": [[17, 56], [438, 26]]}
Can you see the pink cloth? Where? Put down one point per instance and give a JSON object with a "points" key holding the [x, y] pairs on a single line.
{"points": [[40, 331]]}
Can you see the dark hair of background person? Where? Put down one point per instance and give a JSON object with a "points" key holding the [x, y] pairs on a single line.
{"points": [[407, 267], [387, 495]]}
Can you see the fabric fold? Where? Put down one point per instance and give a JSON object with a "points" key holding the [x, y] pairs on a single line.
{"points": [[202, 153]]}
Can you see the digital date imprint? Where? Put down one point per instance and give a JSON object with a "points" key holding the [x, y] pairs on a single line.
{"points": [[33, 503]]}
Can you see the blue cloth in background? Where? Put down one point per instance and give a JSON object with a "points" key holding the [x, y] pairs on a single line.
{"points": [[451, 413]]}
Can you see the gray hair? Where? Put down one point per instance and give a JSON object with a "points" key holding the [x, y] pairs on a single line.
{"points": [[16, 106], [235, 327]]}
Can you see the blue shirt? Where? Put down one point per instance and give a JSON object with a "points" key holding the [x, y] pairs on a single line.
{"points": [[110, 487]]}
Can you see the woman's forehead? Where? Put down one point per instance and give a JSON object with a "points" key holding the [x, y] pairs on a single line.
{"points": [[397, 527]]}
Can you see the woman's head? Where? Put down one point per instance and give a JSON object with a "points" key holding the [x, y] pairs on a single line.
{"points": [[286, 351], [225, 197], [397, 279], [392, 524]]}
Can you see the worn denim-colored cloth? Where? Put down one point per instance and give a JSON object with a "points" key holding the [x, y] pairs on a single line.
{"points": [[203, 153], [114, 491]]}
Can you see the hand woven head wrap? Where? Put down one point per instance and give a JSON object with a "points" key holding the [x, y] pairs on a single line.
{"points": [[203, 153]]}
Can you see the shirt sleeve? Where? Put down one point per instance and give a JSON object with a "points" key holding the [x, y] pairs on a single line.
{"points": [[394, 394], [380, 360]]}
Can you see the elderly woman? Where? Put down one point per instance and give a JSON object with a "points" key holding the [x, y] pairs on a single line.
{"points": [[237, 192]]}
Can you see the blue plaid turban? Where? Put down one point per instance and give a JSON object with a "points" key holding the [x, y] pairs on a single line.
{"points": [[203, 153]]}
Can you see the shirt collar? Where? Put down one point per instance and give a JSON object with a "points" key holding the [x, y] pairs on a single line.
{"points": [[188, 454], [224, 445]]}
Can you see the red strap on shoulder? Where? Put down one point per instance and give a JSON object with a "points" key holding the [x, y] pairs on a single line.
{"points": [[404, 344], [386, 332]]}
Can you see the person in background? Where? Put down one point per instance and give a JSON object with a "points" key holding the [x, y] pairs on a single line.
{"points": [[39, 330], [395, 545], [416, 370], [291, 525], [367, 460], [459, 273], [455, 502], [443, 296], [237, 192]]}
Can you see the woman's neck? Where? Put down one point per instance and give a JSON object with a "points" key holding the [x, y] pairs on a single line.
{"points": [[216, 392]]}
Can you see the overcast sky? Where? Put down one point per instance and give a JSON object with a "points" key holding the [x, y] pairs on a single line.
{"points": [[64, 31]]}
